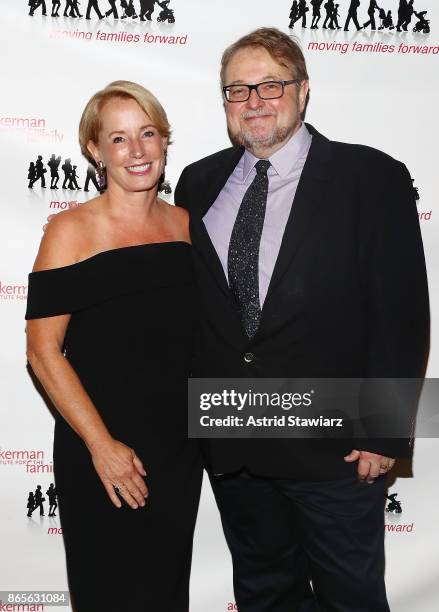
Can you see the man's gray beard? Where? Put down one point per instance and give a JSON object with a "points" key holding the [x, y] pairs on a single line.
{"points": [[254, 144]]}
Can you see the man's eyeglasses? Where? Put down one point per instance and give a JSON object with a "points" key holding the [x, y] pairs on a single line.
{"points": [[268, 90]]}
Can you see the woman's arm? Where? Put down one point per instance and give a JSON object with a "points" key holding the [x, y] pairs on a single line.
{"points": [[115, 463]]}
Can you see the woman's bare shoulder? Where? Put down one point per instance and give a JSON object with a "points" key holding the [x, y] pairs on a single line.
{"points": [[179, 220], [176, 212], [66, 237]]}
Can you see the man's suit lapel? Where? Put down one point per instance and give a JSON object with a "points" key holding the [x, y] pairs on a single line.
{"points": [[310, 194], [214, 182]]}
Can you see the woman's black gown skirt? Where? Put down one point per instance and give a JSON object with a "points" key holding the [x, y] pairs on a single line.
{"points": [[130, 339]]}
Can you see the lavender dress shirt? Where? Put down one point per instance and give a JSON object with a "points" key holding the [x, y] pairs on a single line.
{"points": [[283, 177]]}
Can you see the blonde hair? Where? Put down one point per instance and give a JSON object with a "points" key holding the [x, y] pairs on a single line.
{"points": [[90, 124], [283, 49]]}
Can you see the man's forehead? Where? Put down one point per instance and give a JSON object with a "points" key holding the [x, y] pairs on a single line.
{"points": [[267, 77], [257, 63]]}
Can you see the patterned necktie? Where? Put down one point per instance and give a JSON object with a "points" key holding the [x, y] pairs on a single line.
{"points": [[243, 256]]}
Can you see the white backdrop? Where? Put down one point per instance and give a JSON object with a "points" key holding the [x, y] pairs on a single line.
{"points": [[50, 67]]}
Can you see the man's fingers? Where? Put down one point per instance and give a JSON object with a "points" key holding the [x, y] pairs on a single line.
{"points": [[363, 469], [374, 471], [353, 456], [386, 465], [371, 465]]}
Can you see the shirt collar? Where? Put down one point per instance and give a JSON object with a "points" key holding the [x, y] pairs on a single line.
{"points": [[284, 159]]}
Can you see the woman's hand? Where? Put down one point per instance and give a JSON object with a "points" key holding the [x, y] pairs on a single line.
{"points": [[119, 467]]}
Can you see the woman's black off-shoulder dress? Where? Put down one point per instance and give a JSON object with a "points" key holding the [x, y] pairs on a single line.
{"points": [[129, 339]]}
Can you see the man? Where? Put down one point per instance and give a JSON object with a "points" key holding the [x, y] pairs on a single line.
{"points": [[112, 10], [67, 169], [333, 24], [39, 499], [56, 5], [329, 8], [35, 5], [310, 264], [91, 176], [352, 14], [146, 9], [373, 6], [405, 14], [293, 13], [302, 9], [93, 4], [40, 171], [71, 9]]}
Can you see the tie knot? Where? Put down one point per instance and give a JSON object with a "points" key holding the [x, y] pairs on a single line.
{"points": [[262, 166]]}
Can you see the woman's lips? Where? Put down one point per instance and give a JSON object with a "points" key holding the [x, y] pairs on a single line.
{"points": [[139, 170]]}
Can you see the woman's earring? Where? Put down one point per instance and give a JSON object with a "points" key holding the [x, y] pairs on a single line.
{"points": [[102, 175], [164, 185]]}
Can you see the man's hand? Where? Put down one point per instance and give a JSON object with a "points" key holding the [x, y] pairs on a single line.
{"points": [[370, 465], [72, 204]]}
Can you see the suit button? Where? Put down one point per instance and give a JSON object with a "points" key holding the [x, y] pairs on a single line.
{"points": [[248, 357]]}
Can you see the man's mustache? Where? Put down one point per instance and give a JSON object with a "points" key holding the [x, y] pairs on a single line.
{"points": [[256, 113]]}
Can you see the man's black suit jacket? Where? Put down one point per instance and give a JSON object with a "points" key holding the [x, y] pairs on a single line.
{"points": [[348, 296]]}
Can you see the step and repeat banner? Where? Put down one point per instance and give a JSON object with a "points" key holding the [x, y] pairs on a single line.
{"points": [[374, 74]]}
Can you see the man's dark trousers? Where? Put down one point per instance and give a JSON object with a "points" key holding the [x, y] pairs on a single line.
{"points": [[282, 532]]}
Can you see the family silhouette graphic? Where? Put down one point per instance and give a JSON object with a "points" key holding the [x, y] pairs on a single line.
{"points": [[37, 170], [36, 500], [123, 9], [405, 12]]}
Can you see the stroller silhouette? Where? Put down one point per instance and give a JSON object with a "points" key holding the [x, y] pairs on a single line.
{"points": [[165, 187], [394, 505], [166, 14], [415, 191], [386, 20], [423, 25]]}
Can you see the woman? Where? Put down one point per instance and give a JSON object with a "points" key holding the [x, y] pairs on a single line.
{"points": [[30, 503], [31, 174], [316, 14], [67, 169], [53, 164], [112, 314]]}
